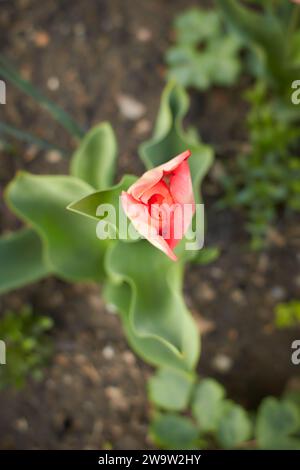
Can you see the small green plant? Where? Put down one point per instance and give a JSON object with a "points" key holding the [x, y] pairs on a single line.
{"points": [[287, 314], [270, 29], [28, 346], [193, 413], [205, 52], [267, 177]]}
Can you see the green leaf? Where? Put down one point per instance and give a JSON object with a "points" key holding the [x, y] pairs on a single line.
{"points": [[22, 262], [95, 159], [277, 423], [234, 426], [156, 320], [151, 350], [72, 249], [12, 75], [88, 204], [207, 255], [169, 138], [195, 25], [207, 404], [170, 389], [172, 431]]}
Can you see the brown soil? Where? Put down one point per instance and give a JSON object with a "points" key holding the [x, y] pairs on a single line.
{"points": [[93, 394]]}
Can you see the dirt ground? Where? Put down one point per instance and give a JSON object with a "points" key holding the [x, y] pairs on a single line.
{"points": [[86, 55]]}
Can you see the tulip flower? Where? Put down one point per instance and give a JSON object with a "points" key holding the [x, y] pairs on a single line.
{"points": [[161, 203]]}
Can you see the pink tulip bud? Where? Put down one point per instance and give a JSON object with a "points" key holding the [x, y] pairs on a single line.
{"points": [[161, 203]]}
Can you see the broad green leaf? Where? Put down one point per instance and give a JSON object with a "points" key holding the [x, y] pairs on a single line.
{"points": [[277, 424], [13, 76], [224, 63], [172, 431], [72, 249], [195, 25], [21, 260], [95, 159], [207, 255], [89, 204], [189, 67], [169, 138], [106, 206], [234, 426], [170, 389], [157, 322], [207, 405], [204, 55], [151, 350]]}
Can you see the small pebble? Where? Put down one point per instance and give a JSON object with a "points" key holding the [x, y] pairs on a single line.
{"points": [[143, 34], [207, 292], [216, 273], [53, 83], [21, 425], [238, 297], [108, 352], [116, 397], [112, 309], [95, 301], [143, 126], [233, 334], [130, 108], [41, 38], [31, 153], [222, 363], [129, 358], [68, 380], [277, 293], [91, 372], [53, 156], [205, 326]]}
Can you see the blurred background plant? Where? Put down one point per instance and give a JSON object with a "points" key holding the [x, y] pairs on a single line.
{"points": [[266, 178], [28, 346], [214, 48], [287, 314], [199, 415], [206, 53]]}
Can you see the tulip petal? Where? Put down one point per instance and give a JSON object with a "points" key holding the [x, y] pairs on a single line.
{"points": [[147, 226], [173, 164], [152, 177]]}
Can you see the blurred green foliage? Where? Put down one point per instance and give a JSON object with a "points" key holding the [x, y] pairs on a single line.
{"points": [[28, 346], [205, 52], [270, 31], [287, 314], [266, 177], [206, 418]]}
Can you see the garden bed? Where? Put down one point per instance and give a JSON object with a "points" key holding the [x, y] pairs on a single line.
{"points": [[93, 394]]}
